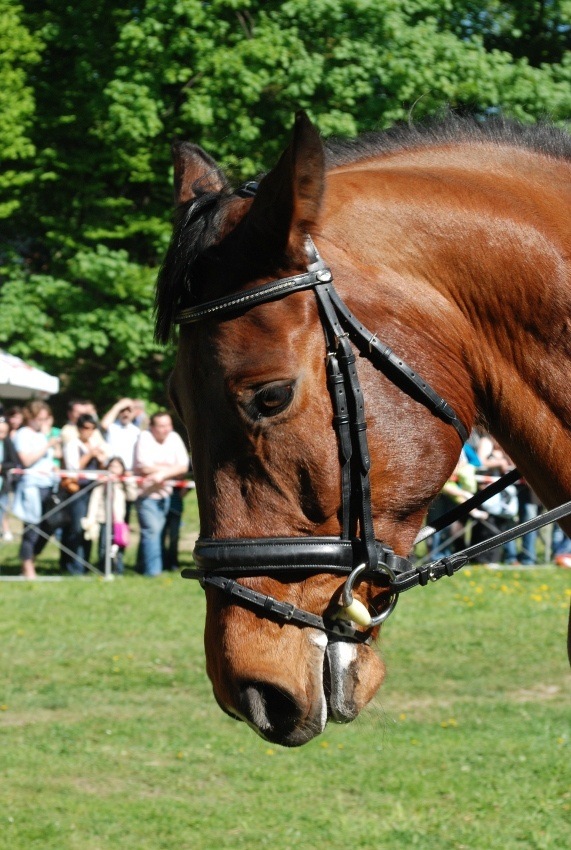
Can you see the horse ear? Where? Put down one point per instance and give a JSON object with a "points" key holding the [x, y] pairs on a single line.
{"points": [[194, 172], [288, 200]]}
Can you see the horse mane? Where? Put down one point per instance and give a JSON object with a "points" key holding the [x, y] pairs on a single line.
{"points": [[543, 137], [198, 222]]}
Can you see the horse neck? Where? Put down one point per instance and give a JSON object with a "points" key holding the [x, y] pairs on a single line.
{"points": [[479, 259], [512, 284]]}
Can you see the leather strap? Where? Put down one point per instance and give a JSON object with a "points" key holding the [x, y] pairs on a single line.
{"points": [[462, 510], [450, 565], [240, 301], [283, 611], [263, 556], [384, 358]]}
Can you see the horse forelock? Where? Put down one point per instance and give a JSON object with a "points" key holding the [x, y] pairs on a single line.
{"points": [[197, 227]]}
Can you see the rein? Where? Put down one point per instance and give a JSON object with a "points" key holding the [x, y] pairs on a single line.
{"points": [[355, 553]]}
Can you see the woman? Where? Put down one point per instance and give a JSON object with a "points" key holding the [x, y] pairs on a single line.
{"points": [[8, 460], [15, 419], [36, 453], [82, 453]]}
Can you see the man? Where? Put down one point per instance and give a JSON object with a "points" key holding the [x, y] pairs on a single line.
{"points": [[160, 456], [120, 431], [75, 408]]}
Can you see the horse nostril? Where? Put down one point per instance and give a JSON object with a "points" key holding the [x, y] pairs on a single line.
{"points": [[271, 710]]}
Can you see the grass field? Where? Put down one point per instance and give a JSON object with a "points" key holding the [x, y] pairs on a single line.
{"points": [[110, 737]]}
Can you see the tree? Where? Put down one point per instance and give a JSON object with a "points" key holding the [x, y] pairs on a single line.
{"points": [[539, 30], [19, 51], [117, 82]]}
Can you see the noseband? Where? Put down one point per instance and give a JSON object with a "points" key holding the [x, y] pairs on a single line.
{"points": [[355, 553]]}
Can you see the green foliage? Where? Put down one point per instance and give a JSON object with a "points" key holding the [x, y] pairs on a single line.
{"points": [[539, 30], [86, 132], [95, 319], [19, 51]]}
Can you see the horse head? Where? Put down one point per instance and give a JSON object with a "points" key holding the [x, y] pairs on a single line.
{"points": [[251, 387]]}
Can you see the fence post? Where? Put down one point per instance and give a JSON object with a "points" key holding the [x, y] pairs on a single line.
{"points": [[108, 527]]}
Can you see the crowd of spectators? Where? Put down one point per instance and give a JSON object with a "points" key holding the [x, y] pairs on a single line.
{"points": [[88, 481], [482, 461]]}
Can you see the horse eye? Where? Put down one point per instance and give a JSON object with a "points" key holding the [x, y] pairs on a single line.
{"points": [[272, 399]]}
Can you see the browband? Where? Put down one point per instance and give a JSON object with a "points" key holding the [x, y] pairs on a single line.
{"points": [[257, 295]]}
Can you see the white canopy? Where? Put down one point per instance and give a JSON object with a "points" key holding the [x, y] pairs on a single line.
{"points": [[19, 380]]}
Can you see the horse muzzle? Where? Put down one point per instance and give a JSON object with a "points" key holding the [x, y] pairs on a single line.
{"points": [[328, 680]]}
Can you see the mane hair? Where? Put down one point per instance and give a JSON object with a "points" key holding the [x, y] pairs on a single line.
{"points": [[542, 138], [196, 227]]}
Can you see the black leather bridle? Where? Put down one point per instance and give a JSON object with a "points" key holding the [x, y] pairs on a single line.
{"points": [[356, 553]]}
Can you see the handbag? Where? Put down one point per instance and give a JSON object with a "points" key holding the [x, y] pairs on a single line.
{"points": [[70, 485], [121, 534], [61, 516]]}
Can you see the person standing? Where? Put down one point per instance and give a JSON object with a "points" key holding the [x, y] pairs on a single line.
{"points": [[85, 452], [15, 419], [94, 523], [8, 461], [36, 453], [120, 431], [121, 435], [160, 456]]}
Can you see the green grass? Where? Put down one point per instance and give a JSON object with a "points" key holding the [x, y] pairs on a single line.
{"points": [[110, 737]]}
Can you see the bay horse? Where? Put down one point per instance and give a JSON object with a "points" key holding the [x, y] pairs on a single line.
{"points": [[450, 247]]}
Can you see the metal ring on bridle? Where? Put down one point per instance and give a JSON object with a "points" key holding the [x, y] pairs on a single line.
{"points": [[355, 609]]}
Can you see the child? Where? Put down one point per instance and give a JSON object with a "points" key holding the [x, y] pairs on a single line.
{"points": [[95, 523]]}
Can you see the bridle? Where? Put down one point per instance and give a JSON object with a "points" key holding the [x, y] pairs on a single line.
{"points": [[355, 553]]}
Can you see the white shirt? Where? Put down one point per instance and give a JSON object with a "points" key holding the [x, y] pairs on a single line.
{"points": [[149, 452], [28, 441], [122, 440]]}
